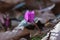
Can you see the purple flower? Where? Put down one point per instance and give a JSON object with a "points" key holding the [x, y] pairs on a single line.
{"points": [[29, 16]]}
